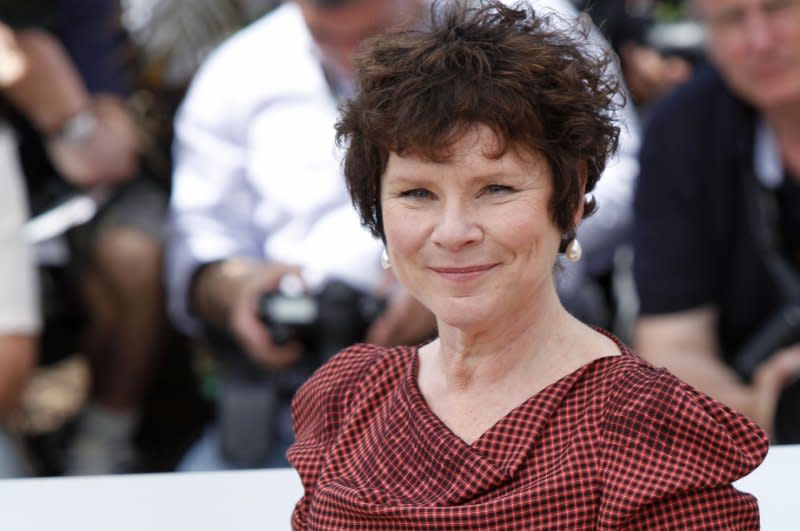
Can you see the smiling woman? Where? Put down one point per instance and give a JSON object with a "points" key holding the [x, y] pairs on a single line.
{"points": [[470, 148], [473, 238]]}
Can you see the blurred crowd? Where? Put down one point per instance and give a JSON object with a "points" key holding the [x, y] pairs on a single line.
{"points": [[178, 251]]}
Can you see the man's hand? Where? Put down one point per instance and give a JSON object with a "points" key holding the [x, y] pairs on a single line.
{"points": [[405, 321], [108, 155], [649, 75], [12, 59], [227, 294], [768, 381], [40, 80]]}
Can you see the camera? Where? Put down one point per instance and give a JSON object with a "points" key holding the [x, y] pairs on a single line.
{"points": [[324, 323]]}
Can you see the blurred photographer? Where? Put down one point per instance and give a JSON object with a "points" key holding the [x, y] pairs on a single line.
{"points": [[718, 206], [68, 108], [258, 196]]}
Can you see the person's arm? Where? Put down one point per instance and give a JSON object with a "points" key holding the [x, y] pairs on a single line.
{"points": [[675, 279], [650, 75], [686, 344], [226, 293], [20, 319], [214, 266], [42, 82], [18, 354], [91, 138]]}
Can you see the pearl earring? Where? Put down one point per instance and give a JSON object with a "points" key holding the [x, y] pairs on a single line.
{"points": [[573, 252], [386, 262]]}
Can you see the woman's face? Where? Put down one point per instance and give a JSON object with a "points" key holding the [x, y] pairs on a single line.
{"points": [[472, 238]]}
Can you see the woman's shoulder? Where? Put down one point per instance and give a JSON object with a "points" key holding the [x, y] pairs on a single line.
{"points": [[359, 362], [668, 454], [658, 423], [334, 387]]}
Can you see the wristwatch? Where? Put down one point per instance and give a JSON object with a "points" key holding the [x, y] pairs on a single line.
{"points": [[78, 128]]}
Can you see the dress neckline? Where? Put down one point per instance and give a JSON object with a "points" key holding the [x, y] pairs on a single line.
{"points": [[534, 411]]}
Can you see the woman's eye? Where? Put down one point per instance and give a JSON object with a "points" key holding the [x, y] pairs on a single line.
{"points": [[497, 189], [417, 193]]}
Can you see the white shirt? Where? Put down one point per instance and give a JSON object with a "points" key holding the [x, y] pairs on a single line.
{"points": [[257, 175], [256, 170], [19, 297]]}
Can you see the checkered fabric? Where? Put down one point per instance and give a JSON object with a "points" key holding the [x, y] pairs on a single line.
{"points": [[617, 444]]}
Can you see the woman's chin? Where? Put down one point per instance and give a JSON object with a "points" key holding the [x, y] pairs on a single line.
{"points": [[466, 317]]}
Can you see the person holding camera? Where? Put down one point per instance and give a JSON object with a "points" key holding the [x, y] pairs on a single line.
{"points": [[717, 214], [471, 147], [258, 199]]}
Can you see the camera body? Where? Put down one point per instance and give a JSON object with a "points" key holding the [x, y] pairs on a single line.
{"points": [[251, 404], [325, 322]]}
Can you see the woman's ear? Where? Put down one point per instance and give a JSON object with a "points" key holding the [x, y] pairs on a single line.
{"points": [[582, 171]]}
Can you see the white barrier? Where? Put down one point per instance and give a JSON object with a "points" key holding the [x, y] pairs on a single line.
{"points": [[260, 499], [774, 483], [204, 501]]}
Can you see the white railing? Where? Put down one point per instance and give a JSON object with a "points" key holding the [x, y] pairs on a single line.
{"points": [[260, 499]]}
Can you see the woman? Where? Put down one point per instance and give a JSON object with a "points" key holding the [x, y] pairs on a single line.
{"points": [[470, 148]]}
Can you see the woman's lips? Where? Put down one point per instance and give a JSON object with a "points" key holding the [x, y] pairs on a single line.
{"points": [[462, 274]]}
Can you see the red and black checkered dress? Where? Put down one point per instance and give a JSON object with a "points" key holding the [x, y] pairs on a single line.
{"points": [[615, 444]]}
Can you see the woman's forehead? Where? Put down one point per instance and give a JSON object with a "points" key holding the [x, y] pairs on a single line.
{"points": [[475, 155], [465, 143]]}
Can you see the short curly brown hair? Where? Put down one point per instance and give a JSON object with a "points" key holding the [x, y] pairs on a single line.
{"points": [[538, 88]]}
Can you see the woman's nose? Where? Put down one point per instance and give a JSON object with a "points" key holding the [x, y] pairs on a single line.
{"points": [[457, 225]]}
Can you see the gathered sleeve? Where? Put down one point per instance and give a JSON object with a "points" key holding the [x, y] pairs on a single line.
{"points": [[319, 409], [670, 455]]}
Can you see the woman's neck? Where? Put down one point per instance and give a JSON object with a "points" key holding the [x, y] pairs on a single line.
{"points": [[469, 358]]}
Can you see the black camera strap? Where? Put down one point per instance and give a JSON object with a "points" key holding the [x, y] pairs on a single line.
{"points": [[763, 216]]}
